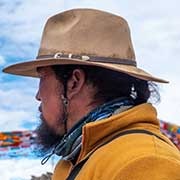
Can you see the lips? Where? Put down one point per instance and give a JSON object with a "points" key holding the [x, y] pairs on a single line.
{"points": [[40, 109]]}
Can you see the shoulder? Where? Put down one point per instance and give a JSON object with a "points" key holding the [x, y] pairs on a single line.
{"points": [[132, 156], [134, 145], [137, 144], [149, 167]]}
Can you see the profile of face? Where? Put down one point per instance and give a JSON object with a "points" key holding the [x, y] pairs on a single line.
{"points": [[52, 107], [52, 114]]}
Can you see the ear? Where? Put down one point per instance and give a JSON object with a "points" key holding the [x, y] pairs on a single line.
{"points": [[75, 83]]}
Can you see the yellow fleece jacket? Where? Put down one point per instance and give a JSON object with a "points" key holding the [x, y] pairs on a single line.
{"points": [[129, 157]]}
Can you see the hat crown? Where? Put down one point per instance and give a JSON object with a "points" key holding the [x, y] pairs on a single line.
{"points": [[85, 37], [87, 32]]}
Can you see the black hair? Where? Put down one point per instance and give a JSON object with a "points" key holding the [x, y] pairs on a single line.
{"points": [[111, 84]]}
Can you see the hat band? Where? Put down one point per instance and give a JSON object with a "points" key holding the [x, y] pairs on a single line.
{"points": [[90, 58]]}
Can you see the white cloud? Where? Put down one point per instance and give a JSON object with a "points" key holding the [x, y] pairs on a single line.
{"points": [[26, 17], [23, 169], [17, 98], [2, 60], [22, 23], [169, 108], [18, 106], [12, 120]]}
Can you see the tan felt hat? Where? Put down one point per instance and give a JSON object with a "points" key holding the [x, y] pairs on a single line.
{"points": [[85, 37]]}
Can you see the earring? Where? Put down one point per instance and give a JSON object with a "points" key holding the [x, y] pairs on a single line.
{"points": [[133, 92], [65, 101]]}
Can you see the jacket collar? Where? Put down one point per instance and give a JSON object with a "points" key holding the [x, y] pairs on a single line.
{"points": [[95, 133]]}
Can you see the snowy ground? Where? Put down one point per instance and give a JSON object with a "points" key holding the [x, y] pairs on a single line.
{"points": [[23, 168]]}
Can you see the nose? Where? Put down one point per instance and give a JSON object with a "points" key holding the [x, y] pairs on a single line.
{"points": [[38, 96]]}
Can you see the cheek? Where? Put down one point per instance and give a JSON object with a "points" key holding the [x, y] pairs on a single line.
{"points": [[52, 109], [51, 103]]}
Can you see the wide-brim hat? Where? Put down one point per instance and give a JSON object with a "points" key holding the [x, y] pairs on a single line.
{"points": [[85, 37]]}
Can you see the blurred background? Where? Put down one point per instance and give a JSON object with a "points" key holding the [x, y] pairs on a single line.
{"points": [[155, 30]]}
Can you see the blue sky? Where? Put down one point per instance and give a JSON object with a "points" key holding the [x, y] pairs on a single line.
{"points": [[155, 29]]}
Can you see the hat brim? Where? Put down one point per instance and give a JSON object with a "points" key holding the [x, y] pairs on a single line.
{"points": [[30, 68]]}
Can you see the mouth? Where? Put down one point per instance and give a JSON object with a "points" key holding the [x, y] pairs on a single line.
{"points": [[40, 109]]}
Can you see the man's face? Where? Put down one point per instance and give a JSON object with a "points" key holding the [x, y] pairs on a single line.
{"points": [[51, 129]]}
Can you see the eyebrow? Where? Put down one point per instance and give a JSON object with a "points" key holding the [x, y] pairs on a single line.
{"points": [[38, 69]]}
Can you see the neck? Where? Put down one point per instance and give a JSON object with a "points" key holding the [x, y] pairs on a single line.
{"points": [[78, 111], [81, 104]]}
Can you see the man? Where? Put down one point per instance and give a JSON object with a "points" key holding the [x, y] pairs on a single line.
{"points": [[93, 98]]}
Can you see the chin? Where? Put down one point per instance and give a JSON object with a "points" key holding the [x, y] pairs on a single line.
{"points": [[47, 136]]}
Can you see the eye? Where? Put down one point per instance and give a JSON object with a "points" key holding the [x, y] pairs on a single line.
{"points": [[42, 74]]}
